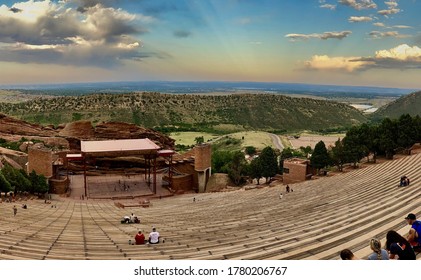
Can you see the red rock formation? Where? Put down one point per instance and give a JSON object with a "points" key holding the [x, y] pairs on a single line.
{"points": [[68, 136], [13, 126], [82, 130]]}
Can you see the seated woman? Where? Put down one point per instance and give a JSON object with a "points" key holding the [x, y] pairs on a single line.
{"points": [[140, 238], [378, 252], [397, 245]]}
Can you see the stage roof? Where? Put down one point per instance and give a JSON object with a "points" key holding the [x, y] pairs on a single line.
{"points": [[119, 147]]}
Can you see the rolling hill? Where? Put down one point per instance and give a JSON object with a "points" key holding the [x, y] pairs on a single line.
{"points": [[407, 104], [241, 111]]}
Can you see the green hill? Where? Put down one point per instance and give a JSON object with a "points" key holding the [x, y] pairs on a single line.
{"points": [[238, 111], [407, 104]]}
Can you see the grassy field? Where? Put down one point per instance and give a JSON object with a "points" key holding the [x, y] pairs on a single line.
{"points": [[188, 138], [258, 139]]}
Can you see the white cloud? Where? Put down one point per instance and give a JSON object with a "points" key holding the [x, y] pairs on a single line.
{"points": [[401, 53], [326, 63], [401, 26], [391, 4], [324, 36], [359, 4], [388, 12], [328, 6], [379, 35], [379, 24], [400, 57], [28, 12], [359, 19]]}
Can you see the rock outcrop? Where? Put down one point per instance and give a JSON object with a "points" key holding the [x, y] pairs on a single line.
{"points": [[13, 126], [120, 130], [83, 130], [68, 136]]}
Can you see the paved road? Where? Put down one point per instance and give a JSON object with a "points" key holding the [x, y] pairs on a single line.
{"points": [[276, 141]]}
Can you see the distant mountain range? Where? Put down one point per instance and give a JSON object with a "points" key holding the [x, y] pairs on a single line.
{"points": [[205, 106], [273, 112], [208, 87]]}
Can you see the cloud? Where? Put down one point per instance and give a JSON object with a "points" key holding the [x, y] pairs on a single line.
{"points": [[392, 9], [328, 6], [182, 34], [401, 57], [326, 63], [379, 24], [49, 32], [401, 26], [324, 36], [359, 4], [388, 12], [379, 35], [359, 19]]}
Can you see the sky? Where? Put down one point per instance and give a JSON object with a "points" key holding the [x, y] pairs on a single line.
{"points": [[335, 42]]}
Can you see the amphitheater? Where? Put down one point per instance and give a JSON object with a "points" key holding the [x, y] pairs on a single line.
{"points": [[316, 221]]}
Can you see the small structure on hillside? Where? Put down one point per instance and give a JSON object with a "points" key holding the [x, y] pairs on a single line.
{"points": [[296, 170], [192, 169]]}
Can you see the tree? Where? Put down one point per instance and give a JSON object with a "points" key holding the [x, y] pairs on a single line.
{"points": [[220, 159], [256, 169], [237, 167], [268, 160], [286, 153], [199, 140], [387, 137], [38, 183], [354, 150], [338, 154], [250, 150], [407, 132], [320, 157], [306, 150], [4, 184]]}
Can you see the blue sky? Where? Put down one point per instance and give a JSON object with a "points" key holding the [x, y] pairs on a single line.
{"points": [[343, 42]]}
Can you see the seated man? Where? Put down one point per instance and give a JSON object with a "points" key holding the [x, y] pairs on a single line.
{"points": [[140, 238], [132, 218], [154, 236], [414, 235]]}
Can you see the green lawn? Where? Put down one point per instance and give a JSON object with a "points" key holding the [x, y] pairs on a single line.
{"points": [[188, 138]]}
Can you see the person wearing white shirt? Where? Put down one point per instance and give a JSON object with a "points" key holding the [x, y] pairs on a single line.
{"points": [[154, 236]]}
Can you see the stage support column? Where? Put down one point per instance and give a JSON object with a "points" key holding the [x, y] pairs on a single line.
{"points": [[154, 175]]}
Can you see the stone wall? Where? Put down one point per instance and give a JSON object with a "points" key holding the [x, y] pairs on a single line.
{"points": [[59, 186], [40, 160], [182, 182], [295, 171], [202, 157]]}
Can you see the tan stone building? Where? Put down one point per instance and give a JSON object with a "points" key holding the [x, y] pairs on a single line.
{"points": [[296, 170]]}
